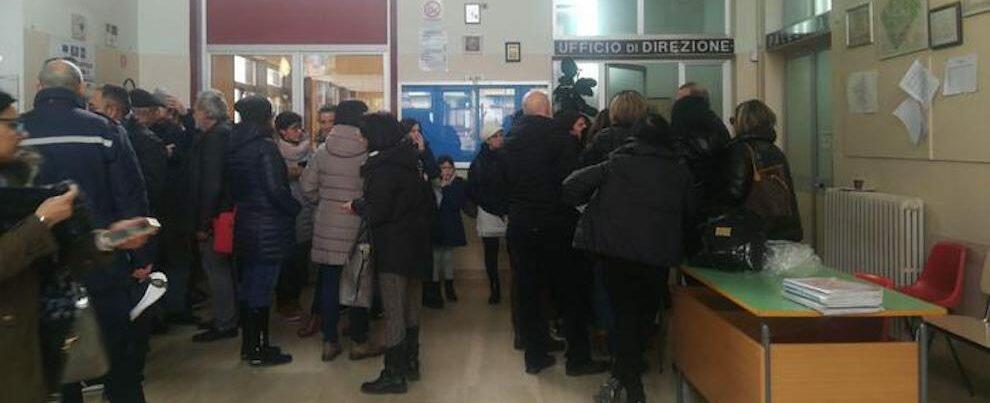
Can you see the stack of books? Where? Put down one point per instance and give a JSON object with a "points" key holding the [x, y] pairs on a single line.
{"points": [[833, 296]]}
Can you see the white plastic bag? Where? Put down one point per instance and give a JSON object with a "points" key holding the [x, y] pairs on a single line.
{"points": [[791, 258]]}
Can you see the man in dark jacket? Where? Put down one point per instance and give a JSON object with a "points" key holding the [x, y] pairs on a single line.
{"points": [[81, 146], [175, 252], [537, 158], [114, 103], [206, 196]]}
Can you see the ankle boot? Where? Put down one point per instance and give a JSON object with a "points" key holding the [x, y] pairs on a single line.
{"points": [[431, 295], [264, 354], [392, 379], [495, 287], [412, 350], [249, 333], [449, 291]]}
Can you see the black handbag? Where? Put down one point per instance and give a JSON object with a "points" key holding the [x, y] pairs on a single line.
{"points": [[734, 241]]}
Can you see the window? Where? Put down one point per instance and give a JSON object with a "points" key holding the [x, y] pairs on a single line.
{"points": [[684, 16], [274, 78], [235, 76], [243, 70], [330, 79], [796, 11], [621, 17]]}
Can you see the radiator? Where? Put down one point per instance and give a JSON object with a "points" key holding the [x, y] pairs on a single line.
{"points": [[875, 233]]}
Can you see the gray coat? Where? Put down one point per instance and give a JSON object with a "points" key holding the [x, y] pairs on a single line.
{"points": [[332, 178]]}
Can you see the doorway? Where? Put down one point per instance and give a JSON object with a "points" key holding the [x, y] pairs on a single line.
{"points": [[808, 134]]}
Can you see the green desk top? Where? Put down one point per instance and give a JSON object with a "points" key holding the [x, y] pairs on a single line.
{"points": [[761, 293]]}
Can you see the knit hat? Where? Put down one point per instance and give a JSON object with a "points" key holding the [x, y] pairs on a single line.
{"points": [[254, 109], [490, 130], [6, 100], [144, 99]]}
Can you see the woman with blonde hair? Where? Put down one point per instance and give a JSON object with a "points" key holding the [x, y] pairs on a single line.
{"points": [[626, 109], [757, 177]]}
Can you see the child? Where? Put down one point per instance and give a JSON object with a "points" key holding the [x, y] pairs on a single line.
{"points": [[448, 229]]}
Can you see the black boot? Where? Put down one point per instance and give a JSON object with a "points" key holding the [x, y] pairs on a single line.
{"points": [[412, 350], [431, 295], [392, 380], [448, 290], [249, 333], [264, 354], [496, 290]]}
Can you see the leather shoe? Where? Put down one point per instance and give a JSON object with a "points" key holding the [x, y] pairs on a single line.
{"points": [[214, 335], [540, 364]]}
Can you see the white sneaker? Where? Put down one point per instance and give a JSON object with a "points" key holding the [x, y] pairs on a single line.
{"points": [[157, 284]]}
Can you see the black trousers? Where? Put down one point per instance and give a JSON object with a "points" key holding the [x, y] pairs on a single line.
{"points": [[491, 258], [635, 292], [295, 269], [126, 344], [546, 260]]}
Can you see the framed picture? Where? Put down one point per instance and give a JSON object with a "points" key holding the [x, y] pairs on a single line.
{"points": [[945, 25], [901, 27], [859, 26], [472, 13], [513, 52], [472, 44], [973, 7]]}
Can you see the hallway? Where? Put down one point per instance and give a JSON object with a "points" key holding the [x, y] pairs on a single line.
{"points": [[468, 357]]}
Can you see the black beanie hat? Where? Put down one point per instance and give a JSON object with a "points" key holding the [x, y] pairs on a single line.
{"points": [[6, 100], [144, 99], [254, 109]]}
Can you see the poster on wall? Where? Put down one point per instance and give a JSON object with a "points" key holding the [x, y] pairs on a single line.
{"points": [[84, 55], [861, 92], [433, 43], [902, 27]]}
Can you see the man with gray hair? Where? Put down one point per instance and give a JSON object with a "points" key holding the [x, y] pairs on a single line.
{"points": [[83, 147], [538, 156], [205, 169]]}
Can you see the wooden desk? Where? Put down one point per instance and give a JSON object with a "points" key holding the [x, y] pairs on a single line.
{"points": [[738, 339]]}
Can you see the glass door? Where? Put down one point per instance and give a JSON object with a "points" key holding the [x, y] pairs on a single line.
{"points": [[241, 75], [808, 134], [624, 77], [331, 78]]}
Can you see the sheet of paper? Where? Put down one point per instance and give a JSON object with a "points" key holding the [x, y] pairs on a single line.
{"points": [[961, 75], [433, 48], [861, 92], [912, 115], [920, 84]]}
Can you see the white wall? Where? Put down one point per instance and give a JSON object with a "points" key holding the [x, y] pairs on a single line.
{"points": [[525, 21], [163, 44], [12, 42]]}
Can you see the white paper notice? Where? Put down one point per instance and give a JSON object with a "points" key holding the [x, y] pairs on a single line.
{"points": [[433, 48], [861, 92], [920, 84], [961, 75], [913, 116]]}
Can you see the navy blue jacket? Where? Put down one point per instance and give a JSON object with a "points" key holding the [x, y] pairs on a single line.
{"points": [[448, 227], [83, 147], [265, 223]]}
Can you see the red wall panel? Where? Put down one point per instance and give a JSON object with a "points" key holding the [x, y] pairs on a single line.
{"points": [[302, 22]]}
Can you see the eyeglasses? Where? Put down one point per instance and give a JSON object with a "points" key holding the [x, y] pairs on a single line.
{"points": [[16, 125]]}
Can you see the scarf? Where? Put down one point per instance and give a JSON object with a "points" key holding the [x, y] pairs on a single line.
{"points": [[294, 153]]}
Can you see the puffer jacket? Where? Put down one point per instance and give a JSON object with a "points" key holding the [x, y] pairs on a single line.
{"points": [[264, 228], [757, 149], [701, 139], [482, 182], [605, 142], [399, 210], [643, 203], [448, 226], [332, 178]]}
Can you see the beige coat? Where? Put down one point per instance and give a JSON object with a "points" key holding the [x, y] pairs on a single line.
{"points": [[332, 178]]}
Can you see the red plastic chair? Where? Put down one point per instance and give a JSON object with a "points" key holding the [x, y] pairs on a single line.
{"points": [[875, 279], [941, 282]]}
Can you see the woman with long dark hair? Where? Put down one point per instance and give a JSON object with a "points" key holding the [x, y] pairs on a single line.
{"points": [[264, 231], [398, 209]]}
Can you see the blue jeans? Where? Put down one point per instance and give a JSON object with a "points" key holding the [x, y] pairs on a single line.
{"points": [[330, 300], [258, 283]]}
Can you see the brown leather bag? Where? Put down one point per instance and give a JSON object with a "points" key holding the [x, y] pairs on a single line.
{"points": [[771, 195]]}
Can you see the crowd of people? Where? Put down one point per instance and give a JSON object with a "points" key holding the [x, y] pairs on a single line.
{"points": [[595, 212]]}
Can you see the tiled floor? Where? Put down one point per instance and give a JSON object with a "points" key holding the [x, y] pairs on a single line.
{"points": [[467, 357]]}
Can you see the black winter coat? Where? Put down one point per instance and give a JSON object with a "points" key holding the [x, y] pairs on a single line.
{"points": [[701, 141], [642, 205], [176, 181], [152, 157], [537, 157], [398, 209], [482, 182], [606, 141], [448, 226], [738, 179], [264, 228], [206, 175]]}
